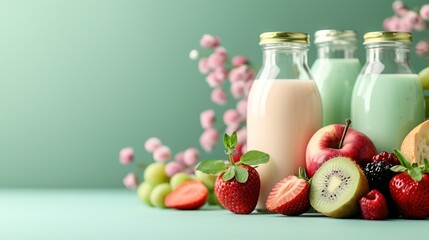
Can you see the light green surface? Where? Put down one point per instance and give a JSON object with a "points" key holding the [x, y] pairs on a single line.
{"points": [[80, 79], [118, 214]]}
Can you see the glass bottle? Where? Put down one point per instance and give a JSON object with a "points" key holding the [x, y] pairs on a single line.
{"points": [[387, 100], [335, 71], [284, 108]]}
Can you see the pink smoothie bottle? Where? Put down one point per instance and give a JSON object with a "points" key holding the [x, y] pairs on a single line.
{"points": [[284, 108]]}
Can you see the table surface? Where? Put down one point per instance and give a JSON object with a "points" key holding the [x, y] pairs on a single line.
{"points": [[117, 214]]}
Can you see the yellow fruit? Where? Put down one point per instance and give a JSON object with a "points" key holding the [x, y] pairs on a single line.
{"points": [[424, 78], [415, 146]]}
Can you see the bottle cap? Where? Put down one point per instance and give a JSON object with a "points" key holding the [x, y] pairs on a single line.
{"points": [[371, 37], [275, 37], [329, 35]]}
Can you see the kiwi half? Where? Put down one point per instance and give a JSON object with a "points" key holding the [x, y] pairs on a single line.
{"points": [[337, 186]]}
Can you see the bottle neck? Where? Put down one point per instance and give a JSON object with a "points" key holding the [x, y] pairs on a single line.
{"points": [[284, 61], [389, 57], [284, 54], [337, 49]]}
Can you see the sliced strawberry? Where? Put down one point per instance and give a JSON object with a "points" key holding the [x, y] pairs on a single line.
{"points": [[289, 197], [374, 206], [188, 196]]}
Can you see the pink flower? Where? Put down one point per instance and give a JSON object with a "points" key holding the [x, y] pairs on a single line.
{"points": [[130, 181], [397, 5], [237, 89], [208, 41], [391, 24], [152, 144], [420, 24], [191, 156], [422, 48], [190, 170], [217, 77], [232, 117], [126, 156], [218, 96], [239, 60], [162, 154], [242, 107], [232, 128], [217, 59], [203, 66], [207, 118], [248, 87], [179, 158], [424, 12], [209, 139], [172, 168], [238, 74], [242, 135]]}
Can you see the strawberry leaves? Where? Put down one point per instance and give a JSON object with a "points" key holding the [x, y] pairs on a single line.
{"points": [[232, 169], [414, 170]]}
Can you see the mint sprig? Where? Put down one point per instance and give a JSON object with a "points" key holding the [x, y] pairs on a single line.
{"points": [[233, 170], [414, 170]]}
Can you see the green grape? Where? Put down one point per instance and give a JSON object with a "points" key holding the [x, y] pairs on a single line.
{"points": [[206, 179], [178, 179], [143, 192], [212, 199], [155, 174], [159, 193]]}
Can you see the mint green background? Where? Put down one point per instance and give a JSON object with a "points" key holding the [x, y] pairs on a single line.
{"points": [[81, 79]]}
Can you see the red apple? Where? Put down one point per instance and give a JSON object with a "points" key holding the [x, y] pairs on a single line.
{"points": [[326, 144]]}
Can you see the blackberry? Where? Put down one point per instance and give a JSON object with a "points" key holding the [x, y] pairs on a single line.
{"points": [[385, 156], [379, 175]]}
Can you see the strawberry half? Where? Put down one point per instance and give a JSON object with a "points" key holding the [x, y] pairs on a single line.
{"points": [[290, 196], [238, 184], [374, 206], [410, 188], [188, 196]]}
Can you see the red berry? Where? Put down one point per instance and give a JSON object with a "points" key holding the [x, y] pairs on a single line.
{"points": [[374, 206], [411, 196], [385, 156], [188, 196], [236, 157], [290, 196], [240, 198]]}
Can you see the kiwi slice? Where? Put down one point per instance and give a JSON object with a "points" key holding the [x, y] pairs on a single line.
{"points": [[337, 186]]}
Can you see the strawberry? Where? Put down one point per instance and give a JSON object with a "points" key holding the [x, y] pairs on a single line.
{"points": [[238, 184], [188, 196], [240, 198], [236, 157], [374, 206], [410, 188], [290, 196]]}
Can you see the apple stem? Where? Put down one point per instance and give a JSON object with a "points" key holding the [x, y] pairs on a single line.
{"points": [[348, 122]]}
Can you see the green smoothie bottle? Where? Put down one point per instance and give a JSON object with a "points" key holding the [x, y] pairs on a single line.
{"points": [[387, 100], [335, 71]]}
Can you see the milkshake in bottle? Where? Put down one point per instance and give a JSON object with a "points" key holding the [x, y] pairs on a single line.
{"points": [[284, 108]]}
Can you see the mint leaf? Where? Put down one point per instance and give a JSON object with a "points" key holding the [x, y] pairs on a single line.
{"points": [[416, 174], [233, 140], [402, 159], [241, 174], [426, 166], [213, 167], [229, 174], [398, 168], [226, 141], [254, 157]]}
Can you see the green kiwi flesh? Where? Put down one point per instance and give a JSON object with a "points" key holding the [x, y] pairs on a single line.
{"points": [[336, 188]]}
